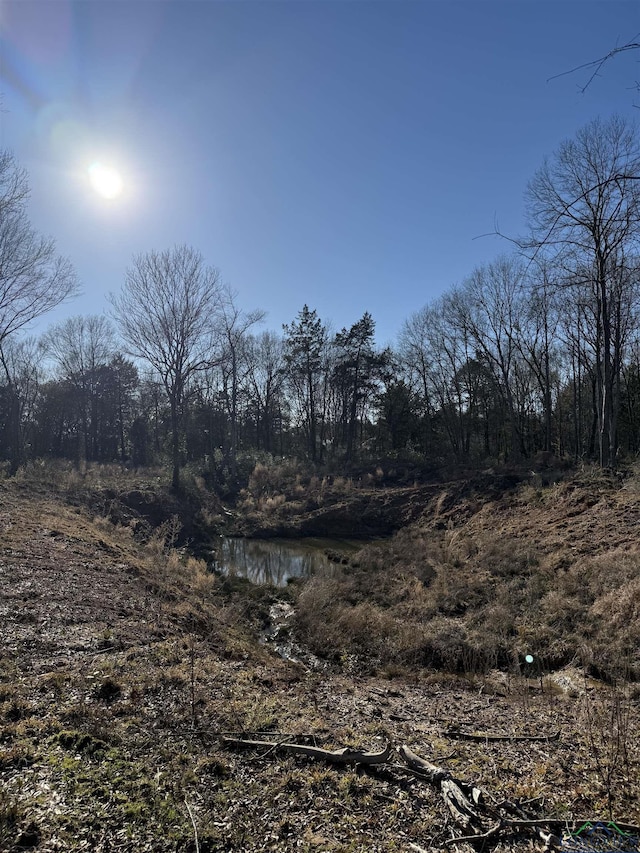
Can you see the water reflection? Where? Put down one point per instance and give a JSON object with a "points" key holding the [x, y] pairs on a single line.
{"points": [[275, 561]]}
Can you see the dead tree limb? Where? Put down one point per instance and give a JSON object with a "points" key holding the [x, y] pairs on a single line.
{"points": [[548, 830], [550, 840], [482, 738], [564, 825], [481, 822], [340, 756], [462, 800]]}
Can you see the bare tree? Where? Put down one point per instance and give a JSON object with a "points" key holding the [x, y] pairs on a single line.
{"points": [[33, 279], [595, 66], [434, 350], [536, 338], [585, 203], [80, 345], [266, 368], [488, 307], [21, 362], [233, 330], [167, 312]]}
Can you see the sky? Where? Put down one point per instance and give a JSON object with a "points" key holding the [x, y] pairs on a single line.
{"points": [[346, 154]]}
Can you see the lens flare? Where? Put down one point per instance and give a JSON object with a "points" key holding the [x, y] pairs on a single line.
{"points": [[105, 180]]}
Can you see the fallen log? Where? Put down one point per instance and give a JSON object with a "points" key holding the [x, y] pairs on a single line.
{"points": [[339, 756]]}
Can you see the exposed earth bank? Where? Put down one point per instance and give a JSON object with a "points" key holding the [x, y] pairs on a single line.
{"points": [[328, 507]]}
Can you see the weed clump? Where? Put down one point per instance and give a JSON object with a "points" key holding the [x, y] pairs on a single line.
{"points": [[108, 690], [81, 742]]}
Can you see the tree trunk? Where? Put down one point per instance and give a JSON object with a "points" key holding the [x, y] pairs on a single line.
{"points": [[175, 444], [17, 448], [606, 384], [312, 418]]}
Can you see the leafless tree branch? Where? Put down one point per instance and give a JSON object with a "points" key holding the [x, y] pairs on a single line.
{"points": [[596, 65]]}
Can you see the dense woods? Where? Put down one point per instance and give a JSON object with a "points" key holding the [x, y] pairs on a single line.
{"points": [[536, 351]]}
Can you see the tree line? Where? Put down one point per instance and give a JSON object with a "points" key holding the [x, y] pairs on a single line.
{"points": [[538, 350]]}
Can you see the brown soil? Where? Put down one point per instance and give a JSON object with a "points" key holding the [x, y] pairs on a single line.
{"points": [[121, 666]]}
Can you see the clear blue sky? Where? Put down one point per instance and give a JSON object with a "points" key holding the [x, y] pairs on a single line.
{"points": [[344, 154]]}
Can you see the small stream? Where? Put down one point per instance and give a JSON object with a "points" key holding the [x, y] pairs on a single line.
{"points": [[277, 561], [277, 634]]}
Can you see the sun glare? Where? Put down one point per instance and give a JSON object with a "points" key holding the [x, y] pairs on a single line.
{"points": [[105, 180]]}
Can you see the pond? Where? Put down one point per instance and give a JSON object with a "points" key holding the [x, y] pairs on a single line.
{"points": [[277, 561]]}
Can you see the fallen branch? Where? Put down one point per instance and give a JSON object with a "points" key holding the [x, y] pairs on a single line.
{"points": [[571, 825], [549, 830], [193, 823], [481, 822], [340, 756], [492, 832], [462, 800], [551, 841], [478, 736]]}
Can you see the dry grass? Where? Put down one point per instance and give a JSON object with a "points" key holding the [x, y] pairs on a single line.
{"points": [[123, 661], [557, 577]]}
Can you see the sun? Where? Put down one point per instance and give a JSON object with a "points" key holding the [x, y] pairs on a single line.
{"points": [[105, 180]]}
